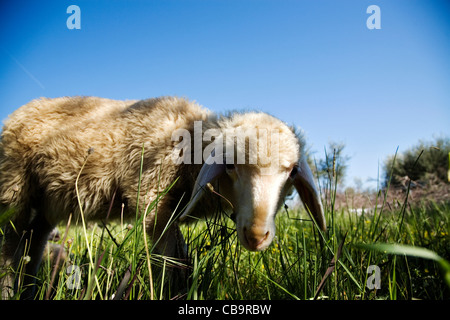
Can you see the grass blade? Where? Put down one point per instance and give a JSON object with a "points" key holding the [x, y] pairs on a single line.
{"points": [[412, 251], [330, 267]]}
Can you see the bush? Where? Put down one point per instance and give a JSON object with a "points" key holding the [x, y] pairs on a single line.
{"points": [[425, 163]]}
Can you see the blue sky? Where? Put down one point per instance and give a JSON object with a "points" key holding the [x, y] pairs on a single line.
{"points": [[314, 64]]}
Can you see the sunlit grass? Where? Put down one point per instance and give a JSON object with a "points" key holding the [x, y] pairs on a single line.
{"points": [[291, 268], [409, 244]]}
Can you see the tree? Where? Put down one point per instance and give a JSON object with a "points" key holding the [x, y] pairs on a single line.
{"points": [[334, 166]]}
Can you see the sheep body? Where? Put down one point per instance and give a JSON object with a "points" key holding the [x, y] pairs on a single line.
{"points": [[48, 140], [45, 144]]}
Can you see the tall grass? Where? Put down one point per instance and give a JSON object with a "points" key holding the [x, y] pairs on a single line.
{"points": [[115, 260], [291, 268]]}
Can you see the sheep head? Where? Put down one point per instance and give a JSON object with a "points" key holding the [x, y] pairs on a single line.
{"points": [[255, 162]]}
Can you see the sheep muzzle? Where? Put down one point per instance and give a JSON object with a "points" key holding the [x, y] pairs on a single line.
{"points": [[256, 239]]}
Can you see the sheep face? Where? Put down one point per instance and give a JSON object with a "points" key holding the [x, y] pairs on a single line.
{"points": [[255, 162], [256, 197], [264, 151]]}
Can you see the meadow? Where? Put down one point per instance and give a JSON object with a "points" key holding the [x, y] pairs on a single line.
{"points": [[389, 251]]}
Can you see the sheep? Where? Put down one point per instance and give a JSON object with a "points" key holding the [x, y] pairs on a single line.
{"points": [[45, 144]]}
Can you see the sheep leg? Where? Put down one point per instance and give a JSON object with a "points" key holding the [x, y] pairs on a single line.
{"points": [[38, 233], [170, 244], [9, 247], [24, 241], [178, 273]]}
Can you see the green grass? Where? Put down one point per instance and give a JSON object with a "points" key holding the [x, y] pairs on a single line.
{"points": [[410, 246], [291, 268]]}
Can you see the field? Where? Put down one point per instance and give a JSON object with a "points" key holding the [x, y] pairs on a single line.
{"points": [[115, 261]]}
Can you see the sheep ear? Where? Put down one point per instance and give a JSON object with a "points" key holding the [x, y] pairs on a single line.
{"points": [[303, 180], [208, 173]]}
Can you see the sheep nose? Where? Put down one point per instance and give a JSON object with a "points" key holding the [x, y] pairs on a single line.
{"points": [[255, 238]]}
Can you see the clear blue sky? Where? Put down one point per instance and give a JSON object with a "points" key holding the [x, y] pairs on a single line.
{"points": [[314, 64]]}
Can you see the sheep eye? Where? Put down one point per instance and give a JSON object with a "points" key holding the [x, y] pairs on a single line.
{"points": [[293, 172]]}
